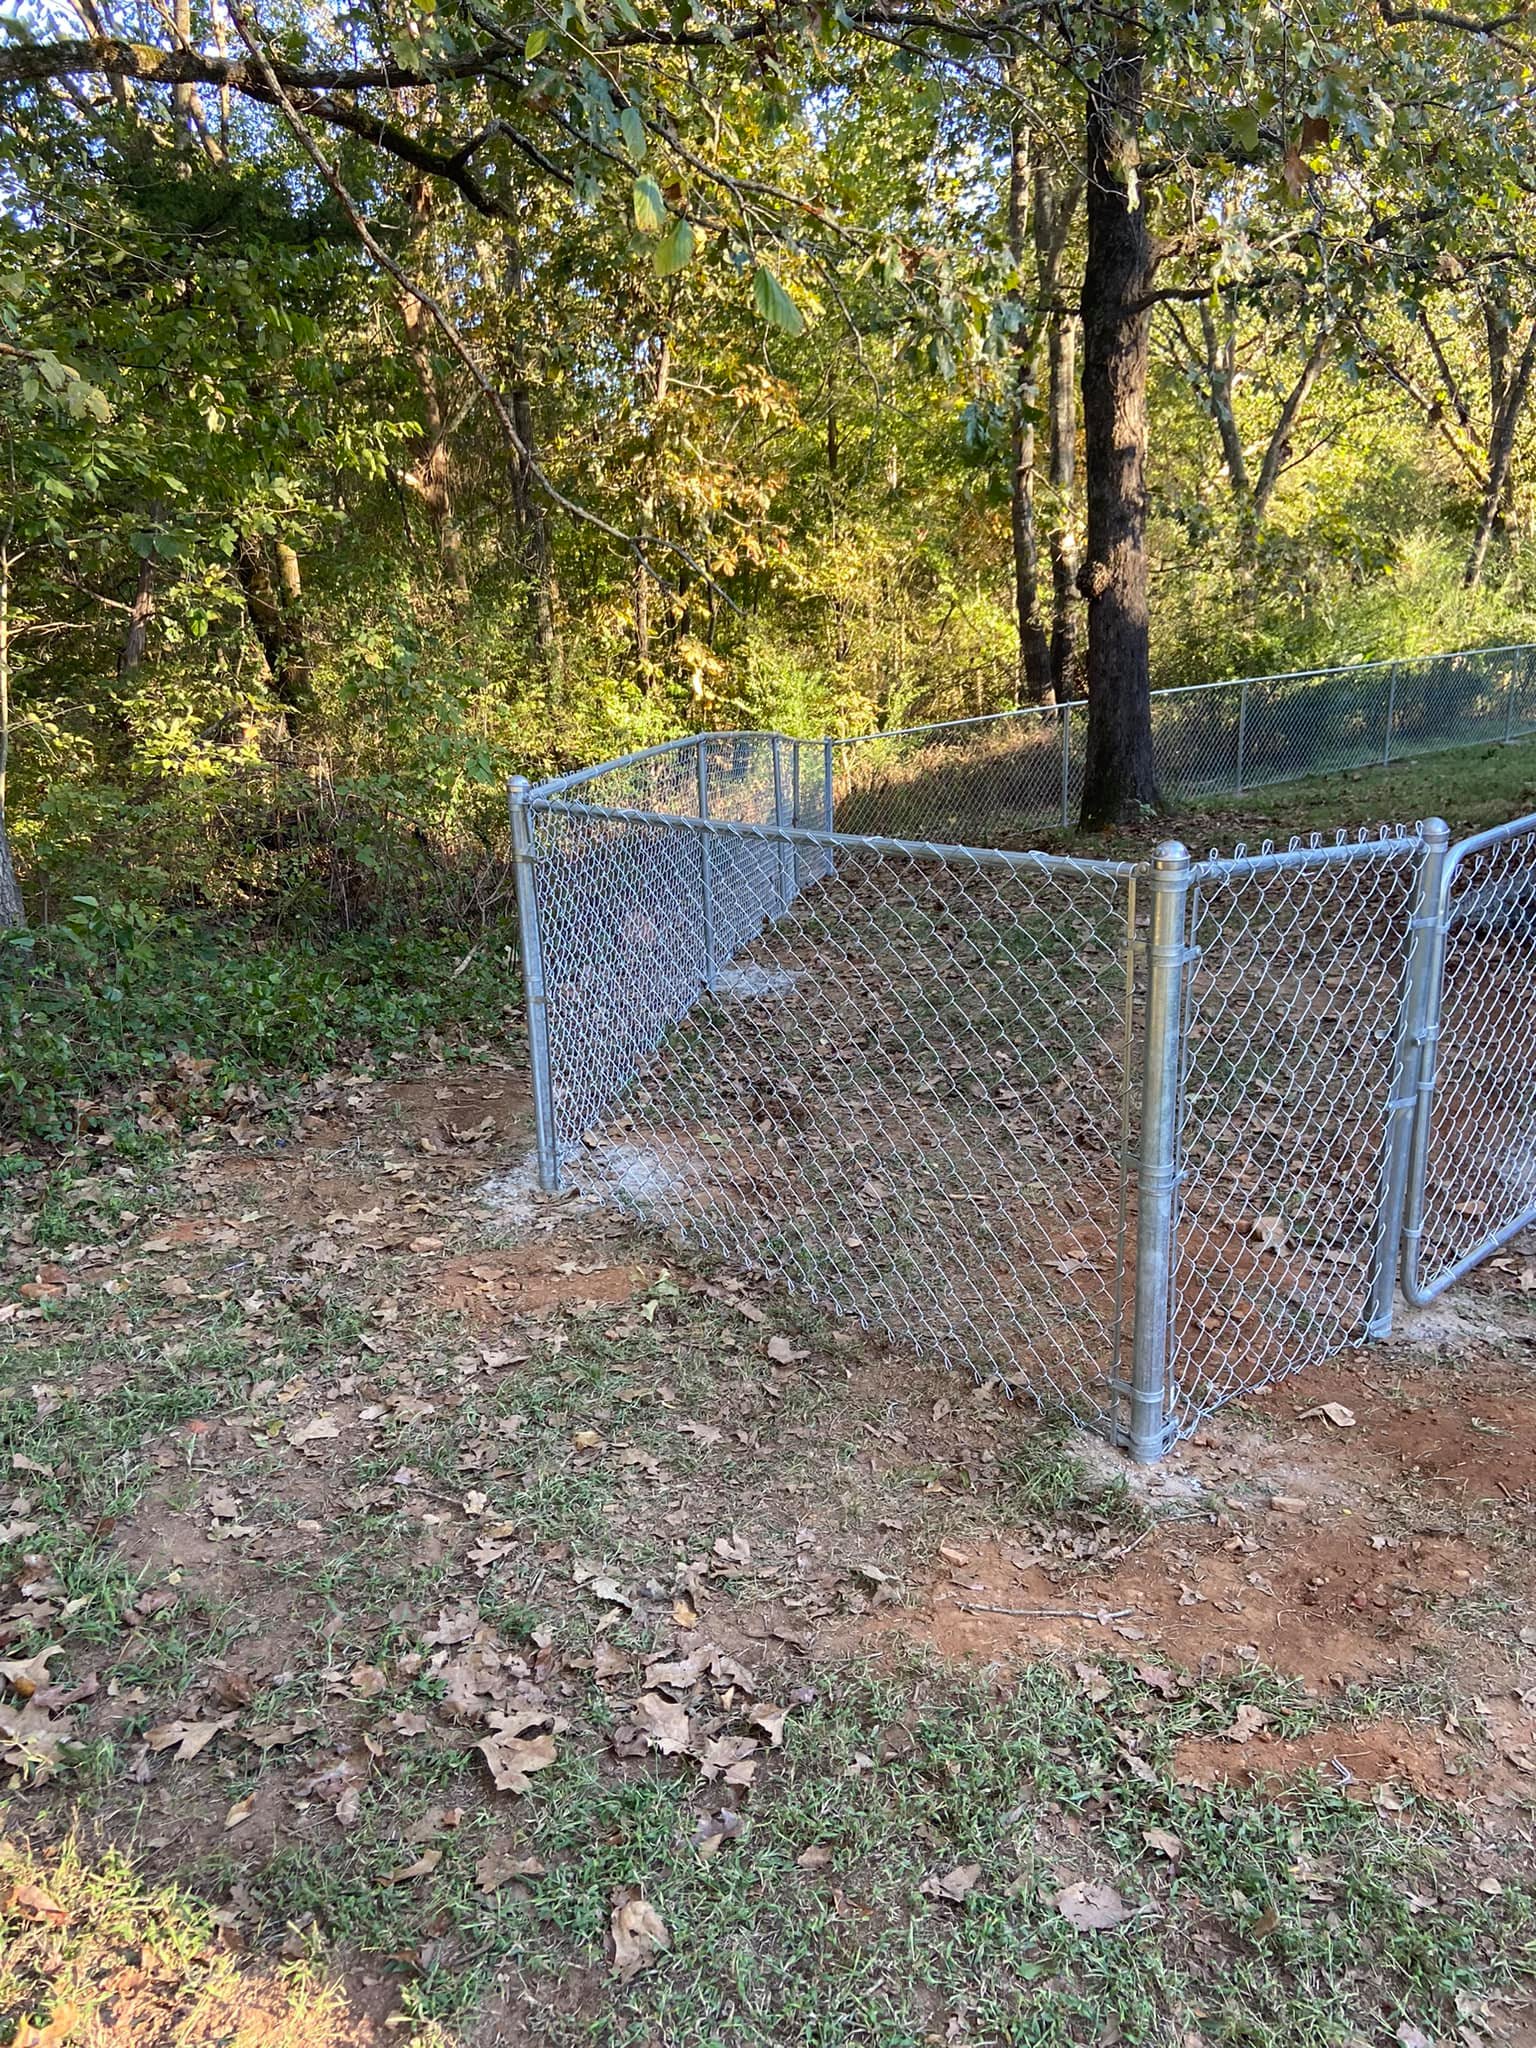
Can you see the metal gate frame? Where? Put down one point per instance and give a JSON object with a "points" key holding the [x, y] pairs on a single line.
{"points": [[1442, 865]]}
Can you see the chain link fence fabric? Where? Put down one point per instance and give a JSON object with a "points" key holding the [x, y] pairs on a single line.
{"points": [[1134, 1136]]}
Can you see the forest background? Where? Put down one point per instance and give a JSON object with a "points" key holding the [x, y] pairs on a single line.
{"points": [[396, 397]]}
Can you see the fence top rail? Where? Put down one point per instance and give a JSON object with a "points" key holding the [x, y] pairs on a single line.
{"points": [[846, 842], [687, 743], [1310, 852], [1479, 842]]}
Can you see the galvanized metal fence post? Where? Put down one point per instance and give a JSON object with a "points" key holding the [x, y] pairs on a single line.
{"points": [[828, 801], [785, 846], [1409, 1056], [706, 872], [1158, 1170], [1509, 702], [1429, 942], [1386, 745], [535, 998], [1066, 767], [1242, 730]]}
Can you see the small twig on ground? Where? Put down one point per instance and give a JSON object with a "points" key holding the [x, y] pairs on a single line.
{"points": [[1047, 1613]]}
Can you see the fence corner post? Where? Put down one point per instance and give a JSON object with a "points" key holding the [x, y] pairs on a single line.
{"points": [[828, 800], [535, 998], [1395, 1246], [1158, 1168]]}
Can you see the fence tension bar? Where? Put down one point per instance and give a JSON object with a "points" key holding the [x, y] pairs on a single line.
{"points": [[535, 999], [1157, 1174]]}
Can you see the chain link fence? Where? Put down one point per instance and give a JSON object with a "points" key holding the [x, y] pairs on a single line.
{"points": [[1134, 1136], [1019, 772], [1473, 1170]]}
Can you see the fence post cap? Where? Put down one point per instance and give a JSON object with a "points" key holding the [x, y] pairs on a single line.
{"points": [[1435, 831], [1171, 853]]}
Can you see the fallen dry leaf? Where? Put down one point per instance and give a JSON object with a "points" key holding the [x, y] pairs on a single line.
{"points": [[665, 1722], [240, 1811], [817, 1857], [954, 1885], [1091, 1908], [497, 1867], [512, 1759], [31, 1902], [639, 1935], [1247, 1722], [27, 1675], [187, 1738], [1163, 1843], [424, 1865], [771, 1721], [1333, 1412], [315, 1430]]}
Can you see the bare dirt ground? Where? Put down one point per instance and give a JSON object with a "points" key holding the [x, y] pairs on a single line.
{"points": [[352, 1484]]}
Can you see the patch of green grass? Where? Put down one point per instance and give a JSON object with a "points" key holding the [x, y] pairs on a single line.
{"points": [[1043, 1475], [1282, 1922], [84, 1944]]}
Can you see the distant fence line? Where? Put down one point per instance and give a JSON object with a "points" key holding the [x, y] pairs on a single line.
{"points": [[1025, 767]]}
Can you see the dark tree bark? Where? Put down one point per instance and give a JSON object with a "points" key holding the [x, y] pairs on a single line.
{"points": [[1277, 454], [13, 912], [1034, 683], [1119, 777], [275, 610], [1220, 373], [1514, 390], [1054, 211], [430, 476], [142, 610]]}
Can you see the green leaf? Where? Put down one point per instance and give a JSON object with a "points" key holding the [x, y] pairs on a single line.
{"points": [[774, 303], [632, 128], [1244, 123], [537, 43], [676, 249], [650, 207]]}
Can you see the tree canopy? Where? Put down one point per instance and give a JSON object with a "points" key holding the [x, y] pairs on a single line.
{"points": [[418, 392]]}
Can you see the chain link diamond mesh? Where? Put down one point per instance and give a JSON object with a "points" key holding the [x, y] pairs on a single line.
{"points": [[1294, 1013], [907, 1094], [1476, 1168]]}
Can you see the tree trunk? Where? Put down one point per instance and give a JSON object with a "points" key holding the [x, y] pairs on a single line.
{"points": [[430, 476], [1119, 778], [1220, 370], [1278, 451], [276, 616], [643, 620], [136, 639], [13, 912], [1501, 455], [1034, 682], [534, 521], [660, 382], [293, 682], [1053, 224]]}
